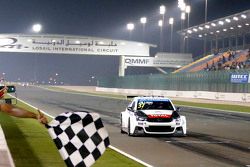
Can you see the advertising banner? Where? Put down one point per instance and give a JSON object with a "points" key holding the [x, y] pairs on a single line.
{"points": [[239, 78], [153, 62], [60, 44]]}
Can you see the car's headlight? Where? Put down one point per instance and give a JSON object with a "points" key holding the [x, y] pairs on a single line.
{"points": [[140, 116]]}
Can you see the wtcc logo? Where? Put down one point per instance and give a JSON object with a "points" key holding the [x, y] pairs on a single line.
{"points": [[239, 78]]}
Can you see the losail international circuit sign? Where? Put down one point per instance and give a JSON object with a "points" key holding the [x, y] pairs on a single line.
{"points": [[60, 44]]}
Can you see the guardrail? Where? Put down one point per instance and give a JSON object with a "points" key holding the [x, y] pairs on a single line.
{"points": [[212, 81], [236, 97]]}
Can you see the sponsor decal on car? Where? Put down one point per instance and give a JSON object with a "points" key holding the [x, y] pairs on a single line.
{"points": [[159, 116]]}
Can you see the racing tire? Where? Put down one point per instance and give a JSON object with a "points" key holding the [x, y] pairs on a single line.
{"points": [[180, 133], [122, 131], [129, 134]]}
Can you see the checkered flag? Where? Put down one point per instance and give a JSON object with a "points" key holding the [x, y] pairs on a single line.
{"points": [[80, 137]]}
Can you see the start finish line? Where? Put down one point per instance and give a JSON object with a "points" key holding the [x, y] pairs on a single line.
{"points": [[63, 44]]}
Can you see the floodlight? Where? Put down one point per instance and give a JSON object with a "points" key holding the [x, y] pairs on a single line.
{"points": [[37, 27], [162, 9], [171, 20], [130, 26], [143, 20], [183, 16], [188, 9], [160, 23]]}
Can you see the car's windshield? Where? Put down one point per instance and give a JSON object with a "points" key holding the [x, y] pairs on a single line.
{"points": [[154, 104]]}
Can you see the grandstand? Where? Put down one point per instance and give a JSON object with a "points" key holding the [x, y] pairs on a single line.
{"points": [[227, 40]]}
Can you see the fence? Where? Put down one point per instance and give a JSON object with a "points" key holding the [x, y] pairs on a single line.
{"points": [[214, 81]]}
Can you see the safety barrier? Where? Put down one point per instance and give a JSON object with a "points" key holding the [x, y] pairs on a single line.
{"points": [[239, 97], [209, 81]]}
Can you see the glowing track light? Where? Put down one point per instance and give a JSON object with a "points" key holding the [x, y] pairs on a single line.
{"points": [[243, 16], [235, 18], [207, 26], [221, 22], [213, 24]]}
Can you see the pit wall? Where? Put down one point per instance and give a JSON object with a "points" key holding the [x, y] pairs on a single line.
{"points": [[239, 97]]}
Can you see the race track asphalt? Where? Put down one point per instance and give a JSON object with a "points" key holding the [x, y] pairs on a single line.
{"points": [[215, 138]]}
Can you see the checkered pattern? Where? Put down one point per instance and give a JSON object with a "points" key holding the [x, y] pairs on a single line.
{"points": [[80, 137]]}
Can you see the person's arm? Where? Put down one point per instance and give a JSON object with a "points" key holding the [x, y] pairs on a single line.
{"points": [[21, 113]]}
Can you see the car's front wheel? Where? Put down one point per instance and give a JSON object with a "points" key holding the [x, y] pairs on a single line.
{"points": [[129, 127], [122, 131], [179, 132]]}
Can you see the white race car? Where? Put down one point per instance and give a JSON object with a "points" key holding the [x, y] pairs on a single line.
{"points": [[152, 115]]}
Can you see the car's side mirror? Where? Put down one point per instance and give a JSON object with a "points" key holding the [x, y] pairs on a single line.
{"points": [[178, 109], [129, 108]]}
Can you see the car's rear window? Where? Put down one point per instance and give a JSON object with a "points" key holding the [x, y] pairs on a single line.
{"points": [[151, 104]]}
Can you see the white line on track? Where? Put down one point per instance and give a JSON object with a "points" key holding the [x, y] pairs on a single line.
{"points": [[111, 147], [81, 93], [196, 142]]}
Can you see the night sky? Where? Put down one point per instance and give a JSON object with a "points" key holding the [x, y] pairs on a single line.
{"points": [[100, 18]]}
